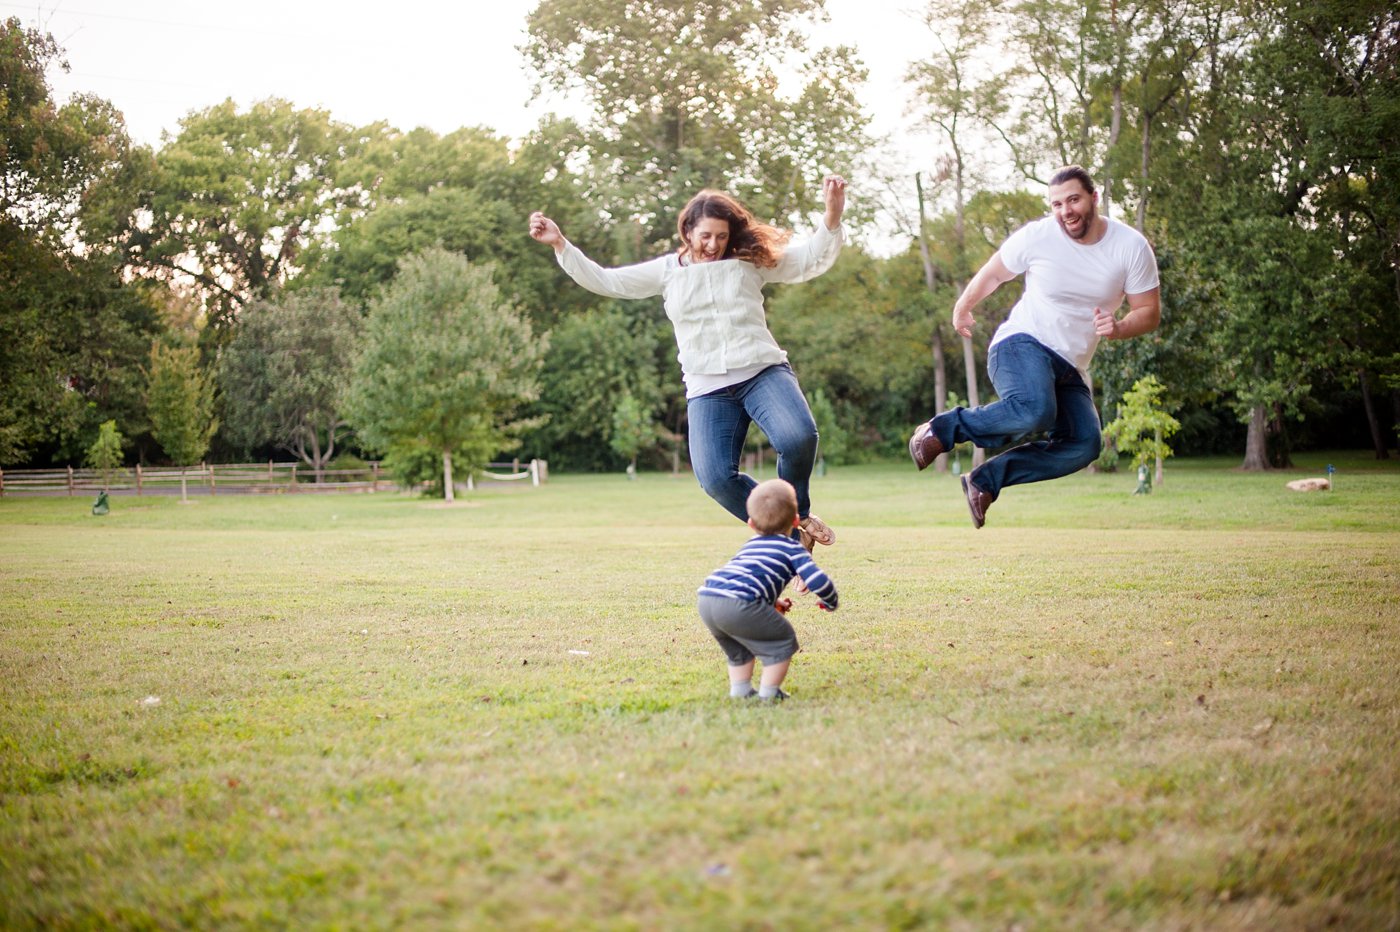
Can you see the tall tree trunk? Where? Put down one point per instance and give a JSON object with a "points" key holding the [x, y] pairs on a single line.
{"points": [[1377, 437], [447, 476], [1146, 161], [940, 367], [979, 455], [1256, 444], [1115, 122], [960, 238]]}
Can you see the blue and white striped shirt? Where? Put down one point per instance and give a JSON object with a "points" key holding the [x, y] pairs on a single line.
{"points": [[763, 566]]}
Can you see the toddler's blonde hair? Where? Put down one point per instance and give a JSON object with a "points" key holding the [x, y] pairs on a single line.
{"points": [[772, 506]]}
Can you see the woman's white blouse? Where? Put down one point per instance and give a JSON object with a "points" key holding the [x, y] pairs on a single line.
{"points": [[716, 308]]}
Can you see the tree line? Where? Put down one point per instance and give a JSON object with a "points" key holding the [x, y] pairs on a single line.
{"points": [[273, 279]]}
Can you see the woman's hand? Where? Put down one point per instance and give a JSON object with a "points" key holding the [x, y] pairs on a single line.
{"points": [[834, 193], [546, 231]]}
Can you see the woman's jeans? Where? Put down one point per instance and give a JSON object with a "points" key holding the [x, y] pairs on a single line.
{"points": [[720, 420], [1039, 390]]}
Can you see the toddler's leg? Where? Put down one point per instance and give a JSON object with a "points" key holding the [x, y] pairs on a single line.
{"points": [[741, 680]]}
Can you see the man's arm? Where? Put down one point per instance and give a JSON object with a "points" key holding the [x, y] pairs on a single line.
{"points": [[989, 278], [1144, 314]]}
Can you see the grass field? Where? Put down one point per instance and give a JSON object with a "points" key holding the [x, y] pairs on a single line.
{"points": [[1101, 711]]}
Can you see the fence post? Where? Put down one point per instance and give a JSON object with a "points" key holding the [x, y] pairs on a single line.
{"points": [[138, 480], [212, 491], [535, 472], [374, 471], [269, 472], [70, 481]]}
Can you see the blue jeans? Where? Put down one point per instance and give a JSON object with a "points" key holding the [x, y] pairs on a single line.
{"points": [[720, 420], [1039, 391]]}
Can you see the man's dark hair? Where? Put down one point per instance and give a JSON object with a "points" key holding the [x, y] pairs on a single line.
{"points": [[1075, 173]]}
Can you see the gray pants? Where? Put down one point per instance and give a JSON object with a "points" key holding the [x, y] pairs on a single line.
{"points": [[746, 630]]}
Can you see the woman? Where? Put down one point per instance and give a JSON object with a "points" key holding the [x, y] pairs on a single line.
{"points": [[735, 372]]}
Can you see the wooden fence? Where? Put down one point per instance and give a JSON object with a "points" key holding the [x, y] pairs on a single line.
{"points": [[235, 478]]}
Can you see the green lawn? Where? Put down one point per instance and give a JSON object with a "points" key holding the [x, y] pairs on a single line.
{"points": [[364, 711]]}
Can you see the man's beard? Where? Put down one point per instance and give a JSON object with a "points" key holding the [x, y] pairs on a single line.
{"points": [[1087, 220]]}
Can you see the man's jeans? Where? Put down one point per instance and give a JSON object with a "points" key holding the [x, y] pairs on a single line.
{"points": [[720, 420], [1039, 390]]}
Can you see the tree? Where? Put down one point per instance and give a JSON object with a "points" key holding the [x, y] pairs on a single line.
{"points": [[50, 155], [1143, 426], [72, 336], [234, 199], [283, 374], [445, 364], [180, 401], [633, 430], [466, 192], [105, 454], [685, 95], [835, 441], [594, 359]]}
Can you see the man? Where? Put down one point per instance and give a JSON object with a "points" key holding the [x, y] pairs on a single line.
{"points": [[1078, 267]]}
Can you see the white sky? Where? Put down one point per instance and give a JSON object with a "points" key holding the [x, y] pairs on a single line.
{"points": [[443, 65], [411, 62]]}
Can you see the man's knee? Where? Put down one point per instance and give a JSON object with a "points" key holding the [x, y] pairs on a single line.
{"points": [[1032, 413], [1086, 450]]}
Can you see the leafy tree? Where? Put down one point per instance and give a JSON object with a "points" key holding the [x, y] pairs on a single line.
{"points": [[180, 401], [50, 155], [71, 335], [466, 192], [685, 95], [72, 340], [835, 441], [445, 365], [234, 199], [105, 454], [283, 374], [1143, 426], [633, 430], [594, 359]]}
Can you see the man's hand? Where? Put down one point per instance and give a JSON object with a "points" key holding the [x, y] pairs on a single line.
{"points": [[1105, 324], [963, 321]]}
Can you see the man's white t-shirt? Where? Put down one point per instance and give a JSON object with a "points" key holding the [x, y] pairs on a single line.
{"points": [[1066, 280]]}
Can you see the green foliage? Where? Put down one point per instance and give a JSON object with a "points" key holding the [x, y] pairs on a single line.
{"points": [[464, 192], [685, 95], [594, 359], [233, 200], [49, 154], [1142, 426], [283, 375], [633, 428], [835, 440], [180, 403], [105, 454], [72, 341], [446, 363]]}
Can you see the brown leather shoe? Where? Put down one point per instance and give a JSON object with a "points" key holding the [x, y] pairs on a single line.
{"points": [[924, 446], [977, 502]]}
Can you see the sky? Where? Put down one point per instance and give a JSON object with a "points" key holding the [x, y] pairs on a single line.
{"points": [[409, 62]]}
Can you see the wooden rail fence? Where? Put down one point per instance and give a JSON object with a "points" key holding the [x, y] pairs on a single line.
{"points": [[237, 478]]}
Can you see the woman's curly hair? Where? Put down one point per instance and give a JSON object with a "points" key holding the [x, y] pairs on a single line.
{"points": [[749, 239]]}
